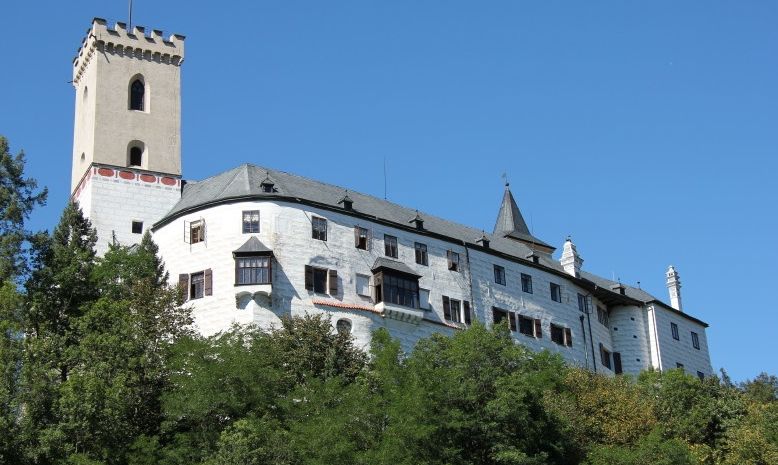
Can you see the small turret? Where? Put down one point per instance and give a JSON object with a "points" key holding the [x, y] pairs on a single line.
{"points": [[510, 223], [570, 260], [674, 286]]}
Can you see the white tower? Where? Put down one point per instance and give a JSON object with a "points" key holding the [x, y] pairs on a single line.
{"points": [[127, 132], [571, 261], [674, 286]]}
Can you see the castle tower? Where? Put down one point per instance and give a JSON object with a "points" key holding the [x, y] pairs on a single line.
{"points": [[674, 286], [127, 133]]}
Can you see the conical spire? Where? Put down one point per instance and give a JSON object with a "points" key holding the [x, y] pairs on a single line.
{"points": [[511, 224], [509, 220]]}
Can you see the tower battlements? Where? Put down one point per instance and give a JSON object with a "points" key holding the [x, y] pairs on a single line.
{"points": [[120, 41]]}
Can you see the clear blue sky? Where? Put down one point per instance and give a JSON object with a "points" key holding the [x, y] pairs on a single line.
{"points": [[647, 130]]}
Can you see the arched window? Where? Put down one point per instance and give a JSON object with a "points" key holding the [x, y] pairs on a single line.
{"points": [[136, 156], [343, 326], [137, 95]]}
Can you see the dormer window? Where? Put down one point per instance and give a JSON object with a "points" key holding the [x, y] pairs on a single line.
{"points": [[346, 201], [267, 184], [418, 221], [137, 95]]}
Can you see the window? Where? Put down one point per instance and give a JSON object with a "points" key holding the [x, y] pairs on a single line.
{"points": [[343, 326], [319, 228], [317, 280], [401, 291], [617, 363], [695, 340], [390, 246], [557, 334], [605, 356], [583, 303], [252, 270], [421, 253], [363, 285], [250, 221], [556, 292], [361, 238], [602, 316], [456, 311], [136, 156], [499, 275], [137, 95], [674, 329], [701, 375], [453, 260], [498, 315], [424, 299], [679, 365], [530, 327], [196, 232], [197, 285], [526, 283], [137, 227]]}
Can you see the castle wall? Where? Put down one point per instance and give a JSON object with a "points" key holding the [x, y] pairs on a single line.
{"points": [[673, 351]]}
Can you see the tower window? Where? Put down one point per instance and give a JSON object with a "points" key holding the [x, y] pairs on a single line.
{"points": [[137, 95], [137, 227], [136, 156]]}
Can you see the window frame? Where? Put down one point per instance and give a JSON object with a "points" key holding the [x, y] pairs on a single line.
{"points": [[250, 226], [240, 270], [420, 252], [196, 231], [695, 340], [137, 101], [453, 260], [317, 273], [396, 288], [139, 229], [391, 247], [555, 287], [605, 357], [319, 228], [499, 275], [361, 238], [602, 316], [674, 331], [526, 283], [197, 285], [359, 290]]}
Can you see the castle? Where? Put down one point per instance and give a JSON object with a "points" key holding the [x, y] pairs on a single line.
{"points": [[253, 244]]}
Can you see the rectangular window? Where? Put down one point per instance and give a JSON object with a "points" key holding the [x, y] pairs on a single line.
{"points": [[361, 240], [197, 285], [499, 275], [674, 330], [602, 316], [252, 270], [137, 227], [456, 311], [400, 290], [605, 356], [526, 326], [316, 280], [453, 260], [583, 303], [424, 299], [558, 334], [421, 253], [320, 280], [679, 365], [617, 363], [526, 283], [196, 232], [568, 337], [319, 228], [556, 292], [695, 340], [456, 315], [390, 246], [701, 375], [363, 285], [498, 315], [250, 221]]}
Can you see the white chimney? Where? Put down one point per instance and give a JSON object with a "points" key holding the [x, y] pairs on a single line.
{"points": [[570, 260], [674, 286]]}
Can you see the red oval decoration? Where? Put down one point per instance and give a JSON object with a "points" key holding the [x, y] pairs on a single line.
{"points": [[105, 172], [168, 181], [127, 175], [148, 178]]}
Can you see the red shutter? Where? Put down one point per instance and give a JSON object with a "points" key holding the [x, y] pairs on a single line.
{"points": [[568, 337], [467, 312], [208, 282], [512, 317], [538, 328], [183, 285], [309, 277], [446, 308], [333, 282]]}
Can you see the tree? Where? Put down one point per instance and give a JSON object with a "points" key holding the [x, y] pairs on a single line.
{"points": [[651, 449], [763, 388], [18, 196]]}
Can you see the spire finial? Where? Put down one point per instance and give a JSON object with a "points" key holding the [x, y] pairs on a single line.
{"points": [[505, 179]]}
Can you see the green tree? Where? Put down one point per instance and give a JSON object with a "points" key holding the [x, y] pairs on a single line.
{"points": [[763, 388], [651, 449], [755, 440], [18, 197]]}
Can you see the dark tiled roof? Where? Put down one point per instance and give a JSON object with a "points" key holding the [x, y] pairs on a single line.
{"points": [[253, 245], [383, 262], [511, 224]]}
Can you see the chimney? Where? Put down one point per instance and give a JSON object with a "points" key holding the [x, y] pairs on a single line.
{"points": [[570, 260], [674, 286]]}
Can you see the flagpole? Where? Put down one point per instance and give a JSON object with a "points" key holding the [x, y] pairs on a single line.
{"points": [[129, 22]]}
